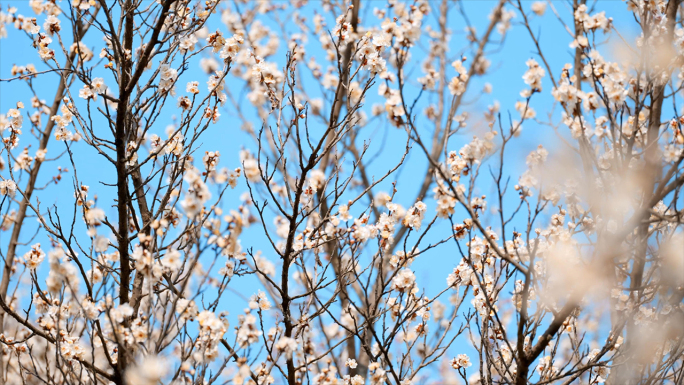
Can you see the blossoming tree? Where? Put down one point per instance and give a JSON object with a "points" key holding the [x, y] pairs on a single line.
{"points": [[132, 240]]}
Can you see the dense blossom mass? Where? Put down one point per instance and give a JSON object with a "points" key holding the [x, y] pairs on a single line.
{"points": [[341, 192]]}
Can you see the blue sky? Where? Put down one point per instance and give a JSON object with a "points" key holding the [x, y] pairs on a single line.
{"points": [[507, 68]]}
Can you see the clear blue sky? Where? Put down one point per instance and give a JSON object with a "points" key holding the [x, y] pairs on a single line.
{"points": [[507, 67]]}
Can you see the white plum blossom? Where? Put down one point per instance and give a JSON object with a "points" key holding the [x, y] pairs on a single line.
{"points": [[461, 361], [404, 280], [34, 257]]}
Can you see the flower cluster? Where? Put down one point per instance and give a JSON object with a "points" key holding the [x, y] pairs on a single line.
{"points": [[8, 187], [414, 216], [461, 361], [533, 77], [91, 91], [167, 78], [211, 331], [457, 85], [34, 257], [405, 281]]}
